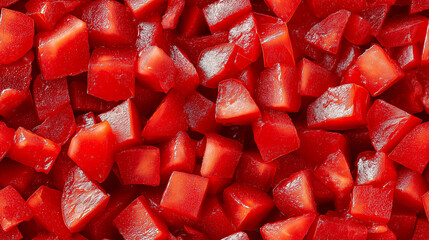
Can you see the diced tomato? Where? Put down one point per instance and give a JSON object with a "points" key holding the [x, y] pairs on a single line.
{"points": [[376, 16], [13, 209], [402, 224], [375, 168], [223, 13], [245, 35], [200, 113], [371, 204], [192, 22], [358, 31], [187, 79], [339, 228], [150, 33], [314, 79], [410, 186], [296, 227], [45, 13], [408, 57], [171, 16]]}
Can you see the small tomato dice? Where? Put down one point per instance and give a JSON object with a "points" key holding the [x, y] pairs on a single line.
{"points": [[327, 227], [410, 186], [374, 168], [45, 13], [13, 209], [223, 13], [170, 19], [314, 79], [244, 34], [292, 228], [200, 113], [371, 204], [187, 79]]}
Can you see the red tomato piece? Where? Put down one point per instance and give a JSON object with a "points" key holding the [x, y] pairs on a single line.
{"points": [[12, 234], [376, 16], [150, 33], [18, 176], [251, 170], [15, 79], [421, 231], [111, 73], [43, 151], [275, 135], [402, 224], [50, 96], [45, 13], [245, 206], [418, 6], [125, 123], [64, 51], [85, 120], [187, 79], [59, 128], [141, 9], [374, 70], [60, 171], [335, 174], [250, 76], [413, 144], [171, 16], [347, 57], [185, 194], [178, 154], [17, 35], [139, 165], [323, 8], [200, 113], [314, 79], [408, 57], [13, 209], [403, 30], [425, 51], [220, 15], [6, 139], [244, 34], [283, 9], [110, 23], [168, 119], [46, 206], [234, 104], [156, 69], [6, 3], [388, 125], [410, 186], [237, 236], [82, 200], [294, 195], [92, 149], [374, 168], [275, 43], [192, 22], [292, 228], [339, 108], [221, 156], [371, 204], [378, 232], [358, 31], [327, 227], [328, 33]]}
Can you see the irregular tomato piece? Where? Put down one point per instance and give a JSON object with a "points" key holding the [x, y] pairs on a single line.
{"points": [[251, 170], [92, 149], [221, 156], [85, 120], [185, 194], [244, 34], [374, 168], [413, 144], [388, 124], [421, 231], [156, 69], [275, 135], [408, 57], [323, 8], [371, 204], [402, 224], [347, 57], [192, 22], [376, 16], [358, 31], [111, 73], [339, 108], [143, 8], [168, 119], [12, 234], [59, 128], [275, 43], [17, 35], [172, 14], [64, 51], [150, 33], [45, 13], [418, 6], [6, 139], [13, 209], [200, 113], [314, 79], [246, 206], [43, 151], [125, 124], [139, 165], [283, 9], [292, 228], [178, 154], [15, 79], [223, 13], [335, 174], [110, 23], [410, 186], [327, 227], [234, 104], [82, 200], [328, 33], [403, 30], [187, 79], [49, 96], [374, 70], [237, 236], [60, 171], [294, 195], [46, 206]]}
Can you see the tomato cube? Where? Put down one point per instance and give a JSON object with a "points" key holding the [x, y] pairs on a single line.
{"points": [[314, 79], [64, 51], [294, 195], [292, 228], [170, 19], [358, 30], [245, 206], [245, 35], [111, 75], [376, 16], [139, 165], [286, 80], [413, 144], [92, 149], [200, 113], [156, 69], [402, 223], [371, 204], [46, 206], [142, 8], [150, 33], [187, 79], [322, 8], [410, 187], [388, 124], [192, 22], [12, 234], [45, 13], [125, 123], [13, 209], [374, 168], [185, 194], [17, 35], [82, 200], [327, 227], [223, 13], [421, 231], [275, 135], [408, 57], [138, 221], [6, 139]]}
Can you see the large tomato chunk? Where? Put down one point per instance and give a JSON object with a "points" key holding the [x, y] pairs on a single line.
{"points": [[13, 209], [371, 204]]}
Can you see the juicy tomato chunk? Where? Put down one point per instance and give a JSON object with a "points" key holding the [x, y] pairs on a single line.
{"points": [[339, 228], [314, 79], [410, 186], [187, 79], [142, 8], [170, 19], [45, 13], [223, 13], [92, 149], [374, 168], [296, 227], [358, 31], [244, 34], [237, 236], [13, 209], [82, 199], [200, 113]]}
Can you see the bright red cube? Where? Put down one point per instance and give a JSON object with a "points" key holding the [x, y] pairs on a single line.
{"points": [[327, 227], [187, 79], [45, 13], [13, 209], [410, 186], [374, 168], [223, 13], [200, 113], [292, 228], [244, 34], [371, 204], [314, 79]]}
